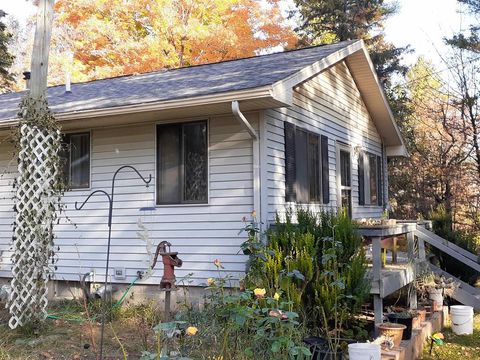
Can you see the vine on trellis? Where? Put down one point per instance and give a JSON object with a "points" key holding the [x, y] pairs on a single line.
{"points": [[38, 191]]}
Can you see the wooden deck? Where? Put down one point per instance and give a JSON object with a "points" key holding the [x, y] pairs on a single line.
{"points": [[393, 277], [391, 273]]}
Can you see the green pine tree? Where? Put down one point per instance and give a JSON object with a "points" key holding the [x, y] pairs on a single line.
{"points": [[6, 59], [327, 21], [469, 40]]}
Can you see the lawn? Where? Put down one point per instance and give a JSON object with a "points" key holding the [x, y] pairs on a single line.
{"points": [[457, 346], [73, 336]]}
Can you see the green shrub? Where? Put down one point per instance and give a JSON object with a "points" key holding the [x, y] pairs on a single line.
{"points": [[318, 262]]}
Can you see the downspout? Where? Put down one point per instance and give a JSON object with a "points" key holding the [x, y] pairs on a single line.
{"points": [[256, 156], [243, 120]]}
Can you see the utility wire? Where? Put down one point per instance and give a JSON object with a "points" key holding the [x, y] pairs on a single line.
{"points": [[439, 71]]}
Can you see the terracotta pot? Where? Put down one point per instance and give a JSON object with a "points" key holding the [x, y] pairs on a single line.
{"points": [[416, 322], [393, 331], [422, 315], [407, 321]]}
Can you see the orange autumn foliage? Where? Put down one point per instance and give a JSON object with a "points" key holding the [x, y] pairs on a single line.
{"points": [[103, 38]]}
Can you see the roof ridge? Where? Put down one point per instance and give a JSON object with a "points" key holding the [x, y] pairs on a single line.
{"points": [[198, 65]]}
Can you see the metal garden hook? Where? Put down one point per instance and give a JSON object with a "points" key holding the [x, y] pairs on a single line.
{"points": [[110, 198]]}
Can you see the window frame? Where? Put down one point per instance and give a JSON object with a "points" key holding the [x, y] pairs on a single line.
{"points": [[379, 179], [90, 149], [156, 171], [341, 147], [319, 196]]}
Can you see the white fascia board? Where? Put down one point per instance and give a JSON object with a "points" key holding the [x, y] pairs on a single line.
{"points": [[399, 150], [385, 101], [287, 84]]}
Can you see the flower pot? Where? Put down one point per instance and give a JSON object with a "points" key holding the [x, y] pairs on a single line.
{"points": [[419, 318], [401, 319], [320, 350], [436, 295], [416, 322], [422, 315], [392, 331]]}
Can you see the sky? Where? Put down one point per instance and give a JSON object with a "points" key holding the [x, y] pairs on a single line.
{"points": [[422, 24]]}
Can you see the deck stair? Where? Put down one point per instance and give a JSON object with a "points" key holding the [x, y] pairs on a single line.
{"points": [[464, 293], [403, 268]]}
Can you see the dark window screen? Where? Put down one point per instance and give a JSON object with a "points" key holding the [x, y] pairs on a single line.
{"points": [[76, 160], [182, 163], [302, 165]]}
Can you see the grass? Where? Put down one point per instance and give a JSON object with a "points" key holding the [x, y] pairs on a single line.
{"points": [[73, 336], [465, 347]]}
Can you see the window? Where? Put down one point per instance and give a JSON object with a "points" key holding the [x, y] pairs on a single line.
{"points": [[76, 160], [303, 166], [372, 161], [370, 179], [182, 161], [346, 181]]}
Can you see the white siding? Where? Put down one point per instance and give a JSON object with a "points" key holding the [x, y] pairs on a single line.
{"points": [[7, 175], [200, 233], [328, 104]]}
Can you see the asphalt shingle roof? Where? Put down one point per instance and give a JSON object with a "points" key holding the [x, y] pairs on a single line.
{"points": [[179, 83]]}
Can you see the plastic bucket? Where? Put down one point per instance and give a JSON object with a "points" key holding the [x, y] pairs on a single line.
{"points": [[462, 319], [364, 351], [436, 295]]}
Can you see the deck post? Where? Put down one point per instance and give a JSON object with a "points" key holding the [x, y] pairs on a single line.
{"points": [[412, 298], [378, 311], [377, 278], [394, 250], [411, 246], [412, 292], [421, 249], [377, 258]]}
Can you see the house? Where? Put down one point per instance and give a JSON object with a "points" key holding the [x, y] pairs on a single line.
{"points": [[309, 126]]}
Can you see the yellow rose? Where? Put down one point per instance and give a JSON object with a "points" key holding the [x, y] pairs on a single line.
{"points": [[210, 281], [276, 296], [259, 293], [254, 214], [191, 331]]}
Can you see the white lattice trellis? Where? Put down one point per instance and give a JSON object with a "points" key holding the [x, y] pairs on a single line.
{"points": [[33, 229]]}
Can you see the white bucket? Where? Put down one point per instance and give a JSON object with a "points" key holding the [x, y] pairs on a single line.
{"points": [[462, 319], [364, 351]]}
